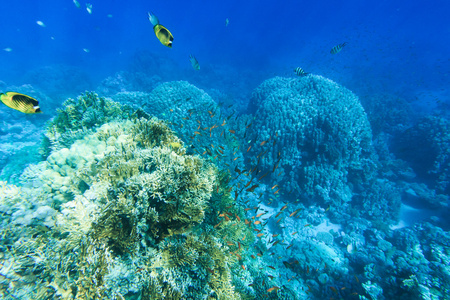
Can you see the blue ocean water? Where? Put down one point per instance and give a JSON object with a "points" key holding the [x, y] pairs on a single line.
{"points": [[375, 228]]}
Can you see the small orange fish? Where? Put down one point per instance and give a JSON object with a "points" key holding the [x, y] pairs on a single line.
{"points": [[243, 267], [274, 186], [289, 246], [260, 234], [275, 243], [274, 288], [263, 143], [294, 233], [278, 214], [259, 215], [279, 220], [273, 268], [237, 218], [249, 147], [284, 207], [259, 254], [333, 289], [276, 192], [275, 166], [263, 176], [252, 188], [252, 256], [197, 133], [257, 222], [232, 131], [275, 235], [235, 158], [294, 213], [307, 225]]}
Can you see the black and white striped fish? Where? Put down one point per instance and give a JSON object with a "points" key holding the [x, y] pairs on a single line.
{"points": [[338, 48], [300, 72]]}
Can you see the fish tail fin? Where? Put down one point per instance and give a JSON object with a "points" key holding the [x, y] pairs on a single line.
{"points": [[153, 19]]}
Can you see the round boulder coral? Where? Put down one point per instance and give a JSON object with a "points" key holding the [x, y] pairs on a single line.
{"points": [[317, 135]]}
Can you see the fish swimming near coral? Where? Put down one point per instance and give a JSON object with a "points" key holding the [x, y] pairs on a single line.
{"points": [[194, 62], [162, 33], [338, 48], [20, 102], [300, 72]]}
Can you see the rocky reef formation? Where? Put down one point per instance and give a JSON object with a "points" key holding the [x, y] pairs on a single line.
{"points": [[432, 159], [314, 138]]}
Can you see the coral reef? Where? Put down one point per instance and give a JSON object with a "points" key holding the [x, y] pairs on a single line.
{"points": [[80, 117], [314, 138], [134, 216], [431, 160]]}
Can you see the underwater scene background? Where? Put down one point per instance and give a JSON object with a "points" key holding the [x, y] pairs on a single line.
{"points": [[225, 150]]}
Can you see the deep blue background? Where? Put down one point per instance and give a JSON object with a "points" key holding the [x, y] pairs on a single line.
{"points": [[400, 47]]}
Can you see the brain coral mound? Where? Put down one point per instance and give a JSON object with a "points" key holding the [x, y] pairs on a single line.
{"points": [[139, 221], [320, 135]]}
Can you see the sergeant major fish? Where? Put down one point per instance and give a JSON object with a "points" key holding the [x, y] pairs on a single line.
{"points": [[162, 33], [338, 48], [300, 72]]}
